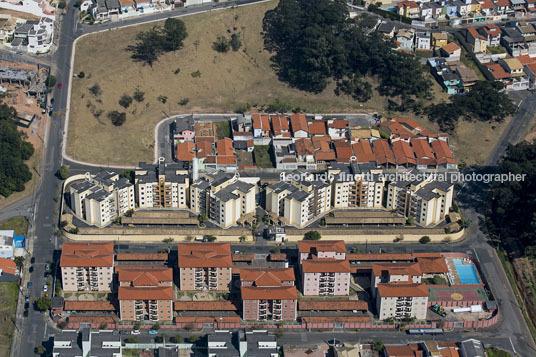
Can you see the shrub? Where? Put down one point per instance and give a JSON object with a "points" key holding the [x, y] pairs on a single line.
{"points": [[156, 326], [62, 5], [162, 99], [51, 81], [132, 339], [81, 75], [64, 172], [235, 42], [184, 101], [176, 71], [74, 230], [125, 101], [63, 224], [117, 118], [138, 95], [196, 74], [221, 45], [95, 90], [312, 235], [424, 240]]}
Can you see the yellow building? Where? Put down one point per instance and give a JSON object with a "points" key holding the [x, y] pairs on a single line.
{"points": [[439, 39]]}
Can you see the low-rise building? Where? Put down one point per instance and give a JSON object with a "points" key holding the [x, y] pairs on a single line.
{"points": [[402, 300], [477, 41], [384, 273], [239, 344], [408, 9], [162, 186], [451, 52], [105, 343], [204, 266], [87, 266], [298, 124], [422, 40]]}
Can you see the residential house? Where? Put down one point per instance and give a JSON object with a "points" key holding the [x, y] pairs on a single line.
{"points": [[402, 300], [477, 42], [85, 342], [8, 28], [388, 29], [518, 5], [462, 7], [162, 186], [145, 293], [439, 39], [324, 268], [343, 151], [446, 76], [305, 154], [526, 30], [204, 266], [224, 158], [487, 7], [426, 10], [472, 347], [424, 154], [237, 343], [323, 151], [127, 6], [185, 151], [451, 52], [531, 6], [405, 39], [408, 9], [261, 125], [285, 154], [243, 123], [422, 40], [476, 7], [183, 129], [268, 294], [383, 152], [443, 154], [298, 124], [317, 128], [513, 66], [514, 42], [467, 75], [404, 155], [87, 266], [141, 5], [338, 128], [502, 6], [280, 126], [8, 266], [517, 78], [450, 9], [492, 33], [530, 70]]}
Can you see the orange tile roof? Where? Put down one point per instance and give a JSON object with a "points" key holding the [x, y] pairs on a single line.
{"points": [[410, 269], [304, 146], [449, 352], [411, 4], [317, 127], [204, 148], [325, 265], [298, 122], [226, 160], [451, 47], [332, 305], [277, 293], [526, 59], [126, 2], [277, 257], [399, 351], [265, 123], [502, 3], [319, 140], [256, 118], [243, 257], [325, 153], [409, 123], [383, 152], [497, 71], [338, 124], [8, 266], [380, 257], [474, 33], [87, 255], [267, 276], [92, 319], [397, 128], [487, 4], [343, 149], [426, 255], [279, 123], [185, 151], [403, 153], [207, 319], [423, 152], [402, 290], [136, 293], [491, 29], [363, 151], [144, 275], [250, 143], [197, 255], [204, 306], [224, 147], [433, 265], [323, 319], [532, 67], [88, 306], [144, 256], [442, 152], [308, 246]]}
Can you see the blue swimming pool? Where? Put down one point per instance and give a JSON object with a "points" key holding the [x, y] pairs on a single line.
{"points": [[467, 274], [457, 261]]}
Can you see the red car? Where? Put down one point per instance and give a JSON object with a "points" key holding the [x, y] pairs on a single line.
{"points": [[59, 85]]}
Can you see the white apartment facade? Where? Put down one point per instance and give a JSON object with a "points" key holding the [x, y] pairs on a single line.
{"points": [[162, 186], [402, 300]]}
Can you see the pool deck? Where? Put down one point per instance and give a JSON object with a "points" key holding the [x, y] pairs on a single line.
{"points": [[454, 272]]}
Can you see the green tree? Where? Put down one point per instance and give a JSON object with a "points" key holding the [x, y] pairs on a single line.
{"points": [[242, 238], [221, 44], [209, 238], [64, 172], [138, 95], [125, 101], [51, 81], [148, 48], [95, 90], [137, 326], [19, 262], [174, 34], [40, 350], [202, 218], [81, 75], [62, 5], [424, 240], [43, 303], [177, 339], [156, 327], [168, 240], [312, 235], [193, 339], [129, 175], [377, 345], [117, 118], [235, 42]]}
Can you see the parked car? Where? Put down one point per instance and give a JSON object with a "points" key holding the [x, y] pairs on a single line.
{"points": [[123, 332], [29, 285], [47, 267], [25, 314], [45, 288], [27, 297], [32, 260], [153, 332], [135, 332], [26, 304], [31, 269]]}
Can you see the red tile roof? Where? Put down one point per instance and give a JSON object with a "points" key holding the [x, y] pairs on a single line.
{"points": [[403, 153], [266, 277], [279, 123], [256, 118], [304, 146], [204, 148], [400, 351], [332, 305], [497, 71], [277, 257], [148, 256], [265, 122], [423, 152], [185, 151], [379, 257], [126, 2], [451, 47], [331, 319], [474, 33], [402, 290], [338, 124], [204, 306], [144, 275], [307, 246], [88, 306], [8, 266], [409, 123], [532, 67], [487, 4], [383, 152], [243, 257], [410, 269], [526, 59], [363, 151], [298, 122], [325, 265], [278, 293], [324, 152], [433, 265], [197, 255], [442, 152], [343, 149], [411, 4], [502, 3], [317, 127], [87, 255], [491, 29], [224, 147], [152, 293]]}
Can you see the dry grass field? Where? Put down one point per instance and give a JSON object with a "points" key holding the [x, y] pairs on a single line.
{"points": [[8, 302], [227, 82]]}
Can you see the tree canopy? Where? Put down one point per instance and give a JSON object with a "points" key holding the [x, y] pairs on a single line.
{"points": [[314, 41], [14, 150]]}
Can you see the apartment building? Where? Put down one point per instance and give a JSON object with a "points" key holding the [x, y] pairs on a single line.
{"points": [[223, 198], [100, 198], [268, 294], [427, 201], [395, 273], [298, 202], [163, 185], [402, 300], [204, 266], [324, 268], [87, 266], [145, 293]]}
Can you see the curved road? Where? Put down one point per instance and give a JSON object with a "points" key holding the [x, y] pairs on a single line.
{"points": [[41, 207]]}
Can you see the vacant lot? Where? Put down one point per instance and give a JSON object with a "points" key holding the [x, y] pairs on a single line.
{"points": [[8, 302], [18, 224], [228, 81]]}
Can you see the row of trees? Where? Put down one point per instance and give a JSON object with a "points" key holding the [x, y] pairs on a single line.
{"points": [[14, 150], [314, 41], [156, 41]]}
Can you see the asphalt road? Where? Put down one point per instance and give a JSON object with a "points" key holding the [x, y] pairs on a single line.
{"points": [[41, 208]]}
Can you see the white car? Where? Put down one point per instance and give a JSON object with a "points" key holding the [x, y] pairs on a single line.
{"points": [[135, 332], [45, 288]]}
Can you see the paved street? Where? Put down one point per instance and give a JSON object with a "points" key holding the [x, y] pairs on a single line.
{"points": [[41, 209]]}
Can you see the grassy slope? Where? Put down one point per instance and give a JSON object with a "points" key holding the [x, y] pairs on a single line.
{"points": [[18, 224], [8, 301]]}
